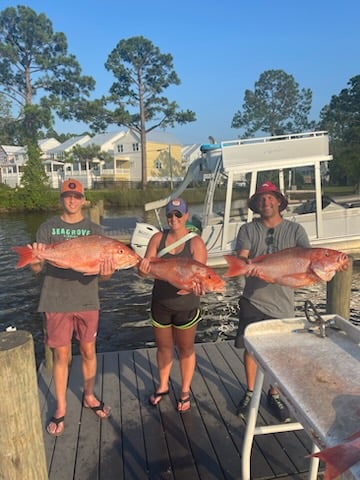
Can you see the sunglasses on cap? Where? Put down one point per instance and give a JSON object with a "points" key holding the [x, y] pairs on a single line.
{"points": [[176, 213]]}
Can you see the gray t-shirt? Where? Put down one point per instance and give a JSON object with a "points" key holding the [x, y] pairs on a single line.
{"points": [[64, 290], [274, 300]]}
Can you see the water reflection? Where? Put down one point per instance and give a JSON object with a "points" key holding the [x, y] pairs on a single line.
{"points": [[124, 298]]}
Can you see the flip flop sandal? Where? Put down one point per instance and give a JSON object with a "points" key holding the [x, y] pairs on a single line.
{"points": [[100, 408], [56, 421], [181, 403], [157, 395]]}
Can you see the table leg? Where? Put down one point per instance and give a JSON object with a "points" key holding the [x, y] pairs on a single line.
{"points": [[251, 424], [314, 464]]}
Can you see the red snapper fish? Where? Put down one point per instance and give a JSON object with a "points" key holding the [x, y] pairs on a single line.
{"points": [[341, 457], [184, 273], [82, 254], [292, 267]]}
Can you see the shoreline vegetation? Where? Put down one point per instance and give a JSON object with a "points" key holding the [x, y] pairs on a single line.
{"points": [[14, 200]]}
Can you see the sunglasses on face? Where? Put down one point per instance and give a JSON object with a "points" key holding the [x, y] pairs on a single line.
{"points": [[177, 214]]}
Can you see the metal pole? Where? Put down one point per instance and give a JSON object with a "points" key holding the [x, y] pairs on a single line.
{"points": [[171, 170]]}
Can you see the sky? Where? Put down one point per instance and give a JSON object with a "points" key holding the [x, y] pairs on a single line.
{"points": [[219, 49]]}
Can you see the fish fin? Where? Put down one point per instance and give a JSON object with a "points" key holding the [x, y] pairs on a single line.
{"points": [[236, 266], [183, 292], [324, 276], [26, 256], [266, 279]]}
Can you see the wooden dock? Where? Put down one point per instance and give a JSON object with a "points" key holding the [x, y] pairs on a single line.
{"points": [[141, 442]]}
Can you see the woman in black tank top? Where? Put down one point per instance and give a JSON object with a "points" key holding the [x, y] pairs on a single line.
{"points": [[174, 317]]}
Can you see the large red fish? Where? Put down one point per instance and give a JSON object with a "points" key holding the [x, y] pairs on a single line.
{"points": [[83, 254], [184, 273], [341, 457], [293, 267]]}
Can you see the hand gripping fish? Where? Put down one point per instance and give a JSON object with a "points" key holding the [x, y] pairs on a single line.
{"points": [[184, 273], [292, 267], [82, 254], [341, 457]]}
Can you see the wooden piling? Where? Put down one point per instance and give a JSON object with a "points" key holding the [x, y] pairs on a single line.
{"points": [[338, 293], [100, 205], [94, 214], [22, 452]]}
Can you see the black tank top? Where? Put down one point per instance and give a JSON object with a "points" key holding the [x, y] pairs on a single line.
{"points": [[165, 293]]}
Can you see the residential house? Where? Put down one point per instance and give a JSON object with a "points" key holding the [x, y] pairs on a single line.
{"points": [[163, 158], [13, 158], [163, 163], [58, 168]]}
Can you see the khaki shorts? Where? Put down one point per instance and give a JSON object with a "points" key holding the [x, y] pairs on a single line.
{"points": [[61, 326]]}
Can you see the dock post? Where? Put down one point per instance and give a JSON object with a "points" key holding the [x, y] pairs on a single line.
{"points": [[22, 451], [95, 214], [338, 293], [100, 205]]}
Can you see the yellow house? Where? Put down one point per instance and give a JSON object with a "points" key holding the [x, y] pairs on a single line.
{"points": [[163, 158]]}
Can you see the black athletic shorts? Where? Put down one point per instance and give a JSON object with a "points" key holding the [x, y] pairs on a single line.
{"points": [[163, 317], [247, 314]]}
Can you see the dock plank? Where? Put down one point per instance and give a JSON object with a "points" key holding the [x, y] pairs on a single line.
{"points": [[140, 441]]}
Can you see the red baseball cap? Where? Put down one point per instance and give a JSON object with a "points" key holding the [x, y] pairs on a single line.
{"points": [[72, 186], [267, 187]]}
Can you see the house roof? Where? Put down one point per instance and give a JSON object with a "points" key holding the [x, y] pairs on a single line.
{"points": [[11, 149], [104, 138], [71, 142], [48, 143], [157, 136]]}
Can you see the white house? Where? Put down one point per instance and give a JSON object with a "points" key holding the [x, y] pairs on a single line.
{"points": [[164, 159]]}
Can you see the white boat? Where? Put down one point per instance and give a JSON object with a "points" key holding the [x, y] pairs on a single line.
{"points": [[328, 223]]}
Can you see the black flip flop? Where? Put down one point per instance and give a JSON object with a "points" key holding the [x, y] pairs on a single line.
{"points": [[182, 401], [56, 421], [156, 395], [99, 408]]}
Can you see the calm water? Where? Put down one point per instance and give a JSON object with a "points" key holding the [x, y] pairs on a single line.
{"points": [[124, 298]]}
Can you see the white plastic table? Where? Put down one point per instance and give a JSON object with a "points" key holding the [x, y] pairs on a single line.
{"points": [[318, 377]]}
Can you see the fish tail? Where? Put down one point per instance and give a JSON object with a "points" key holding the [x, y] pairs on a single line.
{"points": [[236, 266], [339, 458], [26, 256]]}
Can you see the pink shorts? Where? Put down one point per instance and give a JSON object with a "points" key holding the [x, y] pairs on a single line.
{"points": [[60, 327]]}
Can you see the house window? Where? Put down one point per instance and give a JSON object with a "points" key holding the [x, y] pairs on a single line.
{"points": [[120, 148], [135, 147], [158, 165]]}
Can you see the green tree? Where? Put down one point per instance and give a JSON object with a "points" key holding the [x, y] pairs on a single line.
{"points": [[35, 64], [142, 74], [342, 119], [6, 137], [276, 106], [88, 153], [40, 78]]}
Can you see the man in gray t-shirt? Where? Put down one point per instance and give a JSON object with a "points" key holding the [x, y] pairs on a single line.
{"points": [[260, 300], [70, 303]]}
